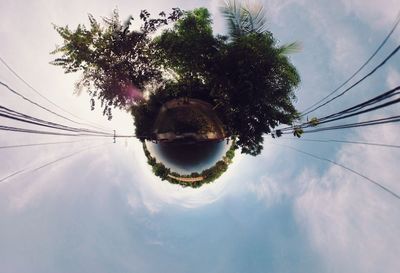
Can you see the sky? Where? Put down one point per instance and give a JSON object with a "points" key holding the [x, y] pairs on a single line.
{"points": [[102, 210]]}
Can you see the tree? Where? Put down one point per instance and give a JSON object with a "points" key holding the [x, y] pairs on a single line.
{"points": [[255, 89], [160, 170], [117, 62], [257, 78], [245, 75], [189, 49]]}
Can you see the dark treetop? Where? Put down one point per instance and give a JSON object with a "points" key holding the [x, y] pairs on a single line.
{"points": [[245, 75]]}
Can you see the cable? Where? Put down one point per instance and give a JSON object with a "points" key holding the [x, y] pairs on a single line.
{"points": [[127, 136], [358, 82], [356, 124], [31, 131], [379, 98], [344, 167], [391, 119], [364, 111], [26, 170], [49, 126], [49, 101], [11, 114], [350, 112], [40, 106], [42, 144], [24, 130], [358, 70], [341, 114], [345, 141], [24, 117]]}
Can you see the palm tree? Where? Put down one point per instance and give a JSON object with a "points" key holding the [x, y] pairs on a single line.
{"points": [[248, 19]]}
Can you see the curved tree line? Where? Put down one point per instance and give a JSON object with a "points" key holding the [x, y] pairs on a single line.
{"points": [[245, 75], [209, 175]]}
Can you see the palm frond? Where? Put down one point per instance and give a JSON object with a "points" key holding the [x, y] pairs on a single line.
{"points": [[290, 48], [232, 12], [244, 20], [254, 20]]}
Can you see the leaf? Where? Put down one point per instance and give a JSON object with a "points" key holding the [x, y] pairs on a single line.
{"points": [[314, 122], [290, 48], [243, 20]]}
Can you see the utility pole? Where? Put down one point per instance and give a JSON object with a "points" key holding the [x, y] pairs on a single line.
{"points": [[115, 135]]}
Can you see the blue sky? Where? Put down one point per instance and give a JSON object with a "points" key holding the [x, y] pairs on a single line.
{"points": [[104, 211]]}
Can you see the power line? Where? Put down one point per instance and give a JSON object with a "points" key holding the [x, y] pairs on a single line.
{"points": [[40, 106], [32, 131], [50, 126], [380, 121], [45, 98], [358, 70], [345, 141], [18, 116], [364, 111], [43, 144], [27, 170], [356, 124], [386, 95], [358, 82], [344, 167], [352, 110]]}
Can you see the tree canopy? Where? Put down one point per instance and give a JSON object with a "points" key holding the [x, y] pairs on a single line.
{"points": [[207, 176], [245, 75], [117, 62]]}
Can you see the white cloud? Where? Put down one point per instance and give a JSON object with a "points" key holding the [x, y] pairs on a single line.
{"points": [[379, 14], [272, 182], [353, 223], [393, 77], [328, 21], [269, 190]]}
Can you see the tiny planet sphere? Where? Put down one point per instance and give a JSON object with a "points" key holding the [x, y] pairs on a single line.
{"points": [[189, 136]]}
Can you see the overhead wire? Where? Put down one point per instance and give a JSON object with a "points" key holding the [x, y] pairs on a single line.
{"points": [[28, 170], [42, 107], [363, 111], [18, 116], [356, 83], [15, 115], [91, 124], [354, 110], [345, 141], [386, 189], [386, 95], [308, 109], [379, 121], [33, 131], [43, 144]]}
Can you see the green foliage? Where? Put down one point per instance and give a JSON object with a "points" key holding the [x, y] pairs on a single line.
{"points": [[298, 131], [245, 75], [117, 62], [257, 89], [160, 170], [215, 172], [209, 175], [314, 122], [248, 78], [188, 49], [243, 20], [230, 154]]}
